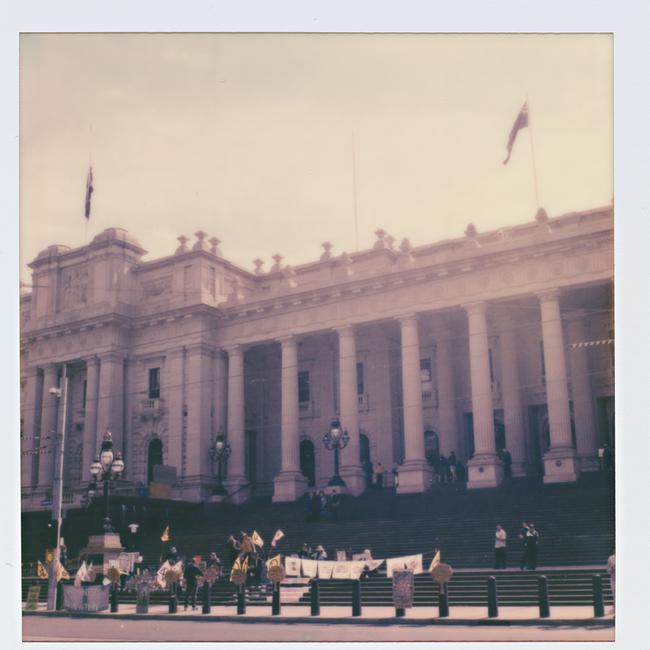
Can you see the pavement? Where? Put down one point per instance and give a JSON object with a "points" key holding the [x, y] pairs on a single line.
{"points": [[371, 616]]}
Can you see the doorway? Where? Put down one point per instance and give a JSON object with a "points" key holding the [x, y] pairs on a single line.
{"points": [[308, 461], [154, 457]]}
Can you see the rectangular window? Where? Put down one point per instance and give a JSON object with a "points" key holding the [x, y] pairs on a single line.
{"points": [[83, 401], [425, 370], [543, 364], [154, 383], [360, 386], [303, 386]]}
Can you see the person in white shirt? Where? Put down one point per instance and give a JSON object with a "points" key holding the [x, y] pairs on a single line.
{"points": [[500, 548]]}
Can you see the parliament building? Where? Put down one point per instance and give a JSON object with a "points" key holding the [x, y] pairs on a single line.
{"points": [[492, 340]]}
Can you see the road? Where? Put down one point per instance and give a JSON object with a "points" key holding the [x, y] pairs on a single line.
{"points": [[70, 629]]}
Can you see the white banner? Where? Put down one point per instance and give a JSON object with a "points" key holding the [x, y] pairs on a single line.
{"points": [[309, 568], [292, 566], [408, 562], [341, 571], [356, 569], [325, 568]]}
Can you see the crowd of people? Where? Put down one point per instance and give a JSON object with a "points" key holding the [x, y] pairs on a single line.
{"points": [[529, 538], [321, 505]]}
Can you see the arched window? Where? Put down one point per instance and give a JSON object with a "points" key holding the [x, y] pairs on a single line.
{"points": [[308, 461], [154, 457]]}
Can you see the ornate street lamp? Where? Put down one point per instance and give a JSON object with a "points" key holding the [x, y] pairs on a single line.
{"points": [[220, 451], [107, 467], [336, 438]]}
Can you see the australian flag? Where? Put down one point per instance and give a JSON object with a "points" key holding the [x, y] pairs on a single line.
{"points": [[520, 123], [89, 192]]}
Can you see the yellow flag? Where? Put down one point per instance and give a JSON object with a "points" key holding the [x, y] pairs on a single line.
{"points": [[274, 561], [257, 540], [435, 562], [61, 573], [42, 573], [238, 565], [165, 536]]}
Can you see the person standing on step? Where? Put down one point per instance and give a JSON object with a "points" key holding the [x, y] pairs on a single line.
{"points": [[522, 536], [335, 504], [506, 459], [379, 474], [233, 547], [444, 469], [191, 573], [532, 538], [500, 548]]}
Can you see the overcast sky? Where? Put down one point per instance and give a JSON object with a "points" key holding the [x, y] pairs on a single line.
{"points": [[249, 136]]}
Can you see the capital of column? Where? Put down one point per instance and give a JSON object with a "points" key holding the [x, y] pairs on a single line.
{"points": [[50, 368], [91, 361], [548, 295], [111, 357], [200, 348], [408, 320], [289, 341], [479, 307], [347, 330], [236, 350]]}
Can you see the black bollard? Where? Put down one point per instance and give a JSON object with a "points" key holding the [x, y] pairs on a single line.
{"points": [[315, 597], [599, 609], [58, 603], [275, 600], [206, 598], [241, 600], [173, 599], [493, 603], [114, 598], [542, 587], [399, 612], [443, 601], [356, 598]]}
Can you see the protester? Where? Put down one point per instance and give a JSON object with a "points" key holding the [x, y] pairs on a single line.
{"points": [[213, 560], [320, 553], [335, 505], [133, 535], [532, 538], [522, 536], [378, 470], [172, 556], [190, 574], [305, 551], [234, 548], [500, 548]]}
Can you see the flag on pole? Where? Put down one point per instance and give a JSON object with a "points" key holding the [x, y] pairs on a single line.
{"points": [[277, 537], [276, 560], [520, 123], [42, 573], [257, 540], [89, 192], [435, 562], [165, 536]]}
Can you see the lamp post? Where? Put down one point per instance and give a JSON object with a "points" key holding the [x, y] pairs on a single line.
{"points": [[336, 438], [220, 451], [107, 467]]}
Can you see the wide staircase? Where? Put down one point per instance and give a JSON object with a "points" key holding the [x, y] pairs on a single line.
{"points": [[575, 522]]}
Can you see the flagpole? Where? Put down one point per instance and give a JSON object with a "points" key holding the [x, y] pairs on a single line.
{"points": [[532, 153], [354, 189]]}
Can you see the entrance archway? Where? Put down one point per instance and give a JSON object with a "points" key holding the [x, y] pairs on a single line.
{"points": [[154, 457], [308, 461]]}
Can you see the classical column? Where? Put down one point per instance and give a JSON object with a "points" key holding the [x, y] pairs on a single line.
{"points": [[173, 387], [414, 473], [236, 436], [31, 415], [560, 462], [351, 471], [446, 387], [583, 405], [110, 401], [90, 441], [49, 422], [290, 483], [511, 394], [485, 469], [198, 482]]}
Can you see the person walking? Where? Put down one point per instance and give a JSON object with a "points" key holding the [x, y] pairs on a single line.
{"points": [[500, 548], [532, 539], [191, 573], [379, 474]]}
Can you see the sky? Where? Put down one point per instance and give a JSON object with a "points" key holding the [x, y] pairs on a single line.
{"points": [[268, 141]]}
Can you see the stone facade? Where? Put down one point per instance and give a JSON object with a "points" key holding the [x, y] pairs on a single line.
{"points": [[464, 345]]}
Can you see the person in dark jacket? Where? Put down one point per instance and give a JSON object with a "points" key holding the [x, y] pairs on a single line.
{"points": [[522, 536], [191, 573], [531, 541], [213, 560], [234, 547], [172, 556]]}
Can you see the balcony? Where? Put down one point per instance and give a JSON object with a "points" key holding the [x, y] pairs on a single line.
{"points": [[151, 408]]}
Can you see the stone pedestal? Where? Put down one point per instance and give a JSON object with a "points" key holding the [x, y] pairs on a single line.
{"points": [[289, 486], [561, 465], [236, 493], [484, 471], [414, 476], [107, 545]]}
